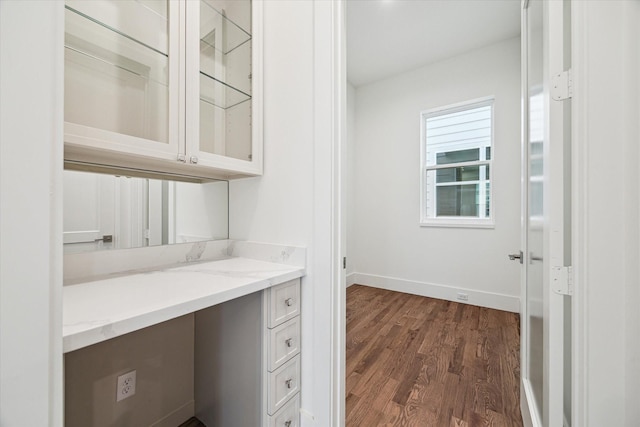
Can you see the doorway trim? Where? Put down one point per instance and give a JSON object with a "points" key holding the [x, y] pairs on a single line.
{"points": [[329, 135]]}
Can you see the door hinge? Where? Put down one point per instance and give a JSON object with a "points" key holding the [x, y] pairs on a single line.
{"points": [[344, 262], [562, 85], [562, 280]]}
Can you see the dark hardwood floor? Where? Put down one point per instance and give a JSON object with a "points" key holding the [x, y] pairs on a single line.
{"points": [[192, 422], [416, 361]]}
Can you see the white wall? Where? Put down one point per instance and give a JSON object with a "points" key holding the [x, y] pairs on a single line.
{"points": [[632, 286], [201, 211], [350, 184], [606, 217], [388, 243], [281, 206], [276, 208], [31, 213]]}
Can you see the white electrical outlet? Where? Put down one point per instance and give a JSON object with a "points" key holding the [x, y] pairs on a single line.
{"points": [[126, 386], [462, 296]]}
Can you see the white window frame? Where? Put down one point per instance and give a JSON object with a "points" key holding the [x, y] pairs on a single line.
{"points": [[456, 221]]}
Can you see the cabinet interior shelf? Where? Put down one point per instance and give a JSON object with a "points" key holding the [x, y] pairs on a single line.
{"points": [[107, 27], [92, 44], [219, 32], [220, 94]]}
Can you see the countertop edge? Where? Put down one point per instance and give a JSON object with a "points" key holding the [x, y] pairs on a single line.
{"points": [[102, 332]]}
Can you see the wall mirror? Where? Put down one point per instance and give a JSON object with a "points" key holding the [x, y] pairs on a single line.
{"points": [[103, 212]]}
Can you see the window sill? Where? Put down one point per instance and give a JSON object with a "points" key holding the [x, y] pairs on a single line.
{"points": [[458, 223]]}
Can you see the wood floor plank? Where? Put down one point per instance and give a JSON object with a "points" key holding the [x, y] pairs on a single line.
{"points": [[351, 382], [372, 377], [416, 361], [376, 314], [385, 395], [457, 422], [350, 403], [391, 413], [410, 379]]}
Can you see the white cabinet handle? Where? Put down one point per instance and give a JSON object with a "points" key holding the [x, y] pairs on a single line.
{"points": [[288, 342], [288, 382], [288, 302]]}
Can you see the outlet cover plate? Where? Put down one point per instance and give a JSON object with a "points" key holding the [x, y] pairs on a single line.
{"points": [[461, 296], [126, 386]]}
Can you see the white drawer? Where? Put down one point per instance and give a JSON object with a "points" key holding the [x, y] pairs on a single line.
{"points": [[284, 342], [288, 416], [284, 383], [284, 302]]}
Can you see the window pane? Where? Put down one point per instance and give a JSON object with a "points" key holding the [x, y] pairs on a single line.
{"points": [[458, 136], [536, 166], [457, 200], [458, 156], [536, 148], [462, 134], [487, 207], [535, 157], [463, 173], [536, 198]]}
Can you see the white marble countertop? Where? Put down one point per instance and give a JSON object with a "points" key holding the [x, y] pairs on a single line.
{"points": [[99, 310]]}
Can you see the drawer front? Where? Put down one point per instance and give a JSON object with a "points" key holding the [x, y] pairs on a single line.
{"points": [[284, 302], [284, 342], [284, 383], [288, 416]]}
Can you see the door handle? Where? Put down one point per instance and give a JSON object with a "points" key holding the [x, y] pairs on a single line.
{"points": [[517, 256]]}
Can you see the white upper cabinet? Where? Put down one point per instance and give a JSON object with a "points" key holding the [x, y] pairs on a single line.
{"points": [[171, 87]]}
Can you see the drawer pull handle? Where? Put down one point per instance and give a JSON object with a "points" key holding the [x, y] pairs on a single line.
{"points": [[288, 382], [287, 423], [288, 302], [288, 342]]}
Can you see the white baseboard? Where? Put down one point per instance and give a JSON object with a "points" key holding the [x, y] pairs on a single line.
{"points": [[449, 293], [351, 279]]}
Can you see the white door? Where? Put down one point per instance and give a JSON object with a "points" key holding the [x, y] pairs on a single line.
{"points": [[89, 211], [545, 207], [104, 212]]}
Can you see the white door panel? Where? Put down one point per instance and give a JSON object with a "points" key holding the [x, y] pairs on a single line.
{"points": [[546, 187], [88, 210]]}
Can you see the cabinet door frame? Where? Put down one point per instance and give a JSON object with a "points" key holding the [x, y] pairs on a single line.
{"points": [[82, 137], [192, 84]]}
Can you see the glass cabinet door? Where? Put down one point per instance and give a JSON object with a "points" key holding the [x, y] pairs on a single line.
{"points": [[165, 86], [219, 83], [121, 79]]}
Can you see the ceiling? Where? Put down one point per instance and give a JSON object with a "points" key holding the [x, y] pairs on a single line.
{"points": [[387, 37]]}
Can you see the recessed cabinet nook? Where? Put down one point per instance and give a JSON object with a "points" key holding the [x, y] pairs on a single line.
{"points": [[170, 87]]}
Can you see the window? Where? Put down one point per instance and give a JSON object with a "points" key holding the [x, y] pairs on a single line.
{"points": [[457, 144]]}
